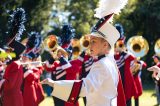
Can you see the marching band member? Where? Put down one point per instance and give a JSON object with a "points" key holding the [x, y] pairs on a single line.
{"points": [[61, 71], [123, 60], [29, 91], [38, 70], [121, 100], [138, 66], [33, 92], [67, 34], [13, 76], [155, 77], [100, 85]]}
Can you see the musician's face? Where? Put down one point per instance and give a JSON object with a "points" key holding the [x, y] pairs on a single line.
{"points": [[156, 60], [25, 59], [98, 46]]}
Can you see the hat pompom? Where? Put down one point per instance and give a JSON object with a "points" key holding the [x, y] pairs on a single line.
{"points": [[107, 7]]}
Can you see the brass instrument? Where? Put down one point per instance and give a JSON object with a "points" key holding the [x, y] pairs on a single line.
{"points": [[157, 47], [76, 48], [120, 44], [138, 46], [135, 67], [50, 43], [60, 51], [85, 42]]}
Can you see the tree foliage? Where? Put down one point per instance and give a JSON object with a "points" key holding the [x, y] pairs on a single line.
{"points": [[82, 15], [37, 13], [142, 17]]}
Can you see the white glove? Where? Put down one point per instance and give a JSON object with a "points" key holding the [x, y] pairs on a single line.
{"points": [[154, 68], [48, 81]]}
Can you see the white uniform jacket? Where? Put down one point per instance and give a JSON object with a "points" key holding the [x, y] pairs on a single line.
{"points": [[99, 87]]}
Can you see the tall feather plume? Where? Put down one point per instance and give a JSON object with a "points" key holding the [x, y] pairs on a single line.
{"points": [[34, 41], [107, 7], [16, 25]]}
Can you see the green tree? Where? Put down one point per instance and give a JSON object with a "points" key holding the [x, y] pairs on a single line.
{"points": [[82, 15], [37, 13], [142, 17]]}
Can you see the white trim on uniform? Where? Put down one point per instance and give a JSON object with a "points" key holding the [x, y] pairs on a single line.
{"points": [[60, 75], [66, 66], [60, 87], [27, 73]]}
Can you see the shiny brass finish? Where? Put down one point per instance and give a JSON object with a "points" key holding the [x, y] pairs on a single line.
{"points": [[76, 48], [138, 46], [157, 47], [85, 42], [50, 43]]}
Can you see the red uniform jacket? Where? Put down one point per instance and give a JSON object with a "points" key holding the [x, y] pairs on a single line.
{"points": [[121, 100], [62, 72], [12, 95], [123, 61], [29, 92], [138, 82], [74, 70], [39, 90]]}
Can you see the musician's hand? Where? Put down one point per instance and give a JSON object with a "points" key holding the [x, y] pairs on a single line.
{"points": [[154, 68], [48, 81]]}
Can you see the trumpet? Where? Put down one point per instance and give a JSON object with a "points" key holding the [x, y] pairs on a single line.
{"points": [[157, 47], [50, 43], [85, 42], [76, 48]]}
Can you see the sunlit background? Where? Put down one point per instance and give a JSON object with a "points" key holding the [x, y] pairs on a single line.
{"points": [[139, 17]]}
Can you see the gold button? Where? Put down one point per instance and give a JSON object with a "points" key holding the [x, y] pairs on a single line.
{"points": [[72, 98]]}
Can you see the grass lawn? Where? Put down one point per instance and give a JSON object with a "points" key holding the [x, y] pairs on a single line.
{"points": [[145, 100]]}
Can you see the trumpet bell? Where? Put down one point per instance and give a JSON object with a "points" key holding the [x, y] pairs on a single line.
{"points": [[85, 41], [51, 43], [157, 47], [120, 44], [138, 46], [76, 48]]}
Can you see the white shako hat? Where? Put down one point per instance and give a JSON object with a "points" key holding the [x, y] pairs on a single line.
{"points": [[103, 29], [106, 31]]}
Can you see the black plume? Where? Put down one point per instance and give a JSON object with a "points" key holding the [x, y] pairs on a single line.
{"points": [[34, 40], [16, 25], [68, 32]]}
